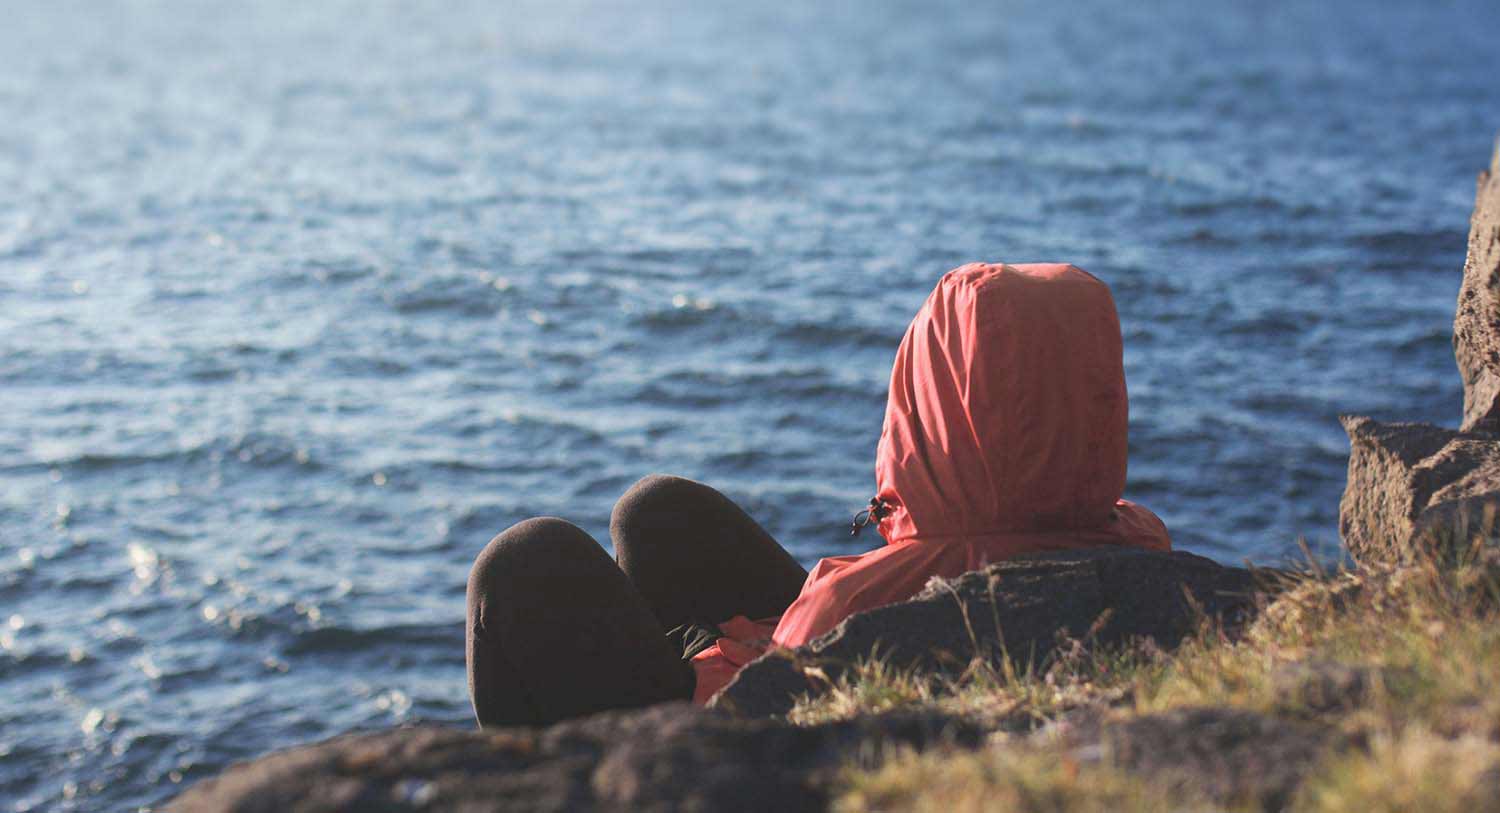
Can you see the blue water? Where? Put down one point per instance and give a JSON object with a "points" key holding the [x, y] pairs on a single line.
{"points": [[300, 303]]}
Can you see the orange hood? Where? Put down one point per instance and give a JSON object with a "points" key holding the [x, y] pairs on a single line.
{"points": [[1007, 410]]}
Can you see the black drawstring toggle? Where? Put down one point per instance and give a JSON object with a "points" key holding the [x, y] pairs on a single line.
{"points": [[878, 510]]}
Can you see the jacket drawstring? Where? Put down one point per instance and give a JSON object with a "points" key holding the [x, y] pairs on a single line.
{"points": [[877, 510]]}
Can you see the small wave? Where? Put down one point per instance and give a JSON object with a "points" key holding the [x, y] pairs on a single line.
{"points": [[1259, 204], [420, 469], [24, 248], [257, 449], [1282, 326], [90, 462], [20, 661], [424, 165], [1418, 246], [1204, 237], [689, 314], [1086, 204], [465, 295], [1093, 171], [1284, 403], [339, 270], [481, 523], [331, 639], [81, 368], [841, 334], [533, 430], [269, 450], [667, 394], [167, 293], [228, 362], [745, 459], [698, 256], [86, 583], [349, 365], [1439, 339], [1135, 280]]}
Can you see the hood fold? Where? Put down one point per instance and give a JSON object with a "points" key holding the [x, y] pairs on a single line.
{"points": [[1007, 409]]}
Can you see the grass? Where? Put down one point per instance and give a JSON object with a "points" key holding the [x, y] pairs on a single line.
{"points": [[1027, 782], [1417, 769], [1402, 663]]}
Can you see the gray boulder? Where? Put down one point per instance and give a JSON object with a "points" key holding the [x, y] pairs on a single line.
{"points": [[1022, 608], [1476, 325]]}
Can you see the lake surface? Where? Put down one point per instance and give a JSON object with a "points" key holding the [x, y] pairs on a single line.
{"points": [[301, 303]]}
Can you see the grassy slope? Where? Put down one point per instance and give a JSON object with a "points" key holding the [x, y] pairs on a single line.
{"points": [[1414, 658]]}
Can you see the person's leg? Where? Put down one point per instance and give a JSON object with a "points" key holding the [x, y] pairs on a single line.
{"points": [[555, 630], [696, 557]]}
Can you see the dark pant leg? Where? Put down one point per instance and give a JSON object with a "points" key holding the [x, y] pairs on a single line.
{"points": [[696, 557], [555, 630]]}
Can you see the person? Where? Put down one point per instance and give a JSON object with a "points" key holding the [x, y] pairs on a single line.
{"points": [[1004, 434]]}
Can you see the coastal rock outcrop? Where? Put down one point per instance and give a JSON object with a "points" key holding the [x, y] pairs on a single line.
{"points": [[1023, 608], [1416, 489], [1476, 325], [677, 756], [668, 757]]}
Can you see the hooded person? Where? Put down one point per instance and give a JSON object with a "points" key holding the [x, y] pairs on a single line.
{"points": [[1005, 433]]}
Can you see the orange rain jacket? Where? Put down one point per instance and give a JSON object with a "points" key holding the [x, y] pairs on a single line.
{"points": [[1005, 433]]}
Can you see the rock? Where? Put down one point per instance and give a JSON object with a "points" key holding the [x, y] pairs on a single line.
{"points": [[1230, 756], [1322, 686], [668, 757], [1022, 607], [1476, 325], [1383, 495], [770, 685], [1415, 489]]}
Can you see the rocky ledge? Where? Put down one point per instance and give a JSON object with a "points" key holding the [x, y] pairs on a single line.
{"points": [[669, 757], [679, 757], [739, 755], [1024, 608]]}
